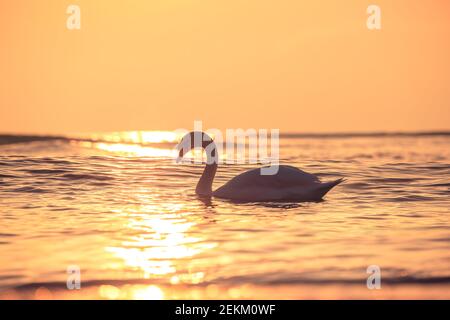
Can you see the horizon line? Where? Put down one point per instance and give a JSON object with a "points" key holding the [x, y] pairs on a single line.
{"points": [[11, 138]]}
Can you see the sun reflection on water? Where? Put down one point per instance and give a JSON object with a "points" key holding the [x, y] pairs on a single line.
{"points": [[131, 143], [123, 149], [138, 137], [138, 292], [161, 237], [153, 144]]}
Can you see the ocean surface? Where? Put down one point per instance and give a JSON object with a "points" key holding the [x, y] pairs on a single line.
{"points": [[120, 209]]}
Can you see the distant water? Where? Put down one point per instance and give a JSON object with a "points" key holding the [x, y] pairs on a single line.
{"points": [[118, 207]]}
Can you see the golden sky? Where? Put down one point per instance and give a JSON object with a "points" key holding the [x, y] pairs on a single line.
{"points": [[306, 66]]}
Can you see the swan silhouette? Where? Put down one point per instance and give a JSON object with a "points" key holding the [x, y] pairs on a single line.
{"points": [[288, 184]]}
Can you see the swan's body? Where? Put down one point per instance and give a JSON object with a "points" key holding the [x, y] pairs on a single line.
{"points": [[288, 184]]}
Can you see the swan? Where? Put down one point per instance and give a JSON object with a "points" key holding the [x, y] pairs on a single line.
{"points": [[288, 184]]}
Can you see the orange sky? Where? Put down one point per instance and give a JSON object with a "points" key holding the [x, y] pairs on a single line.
{"points": [[307, 66]]}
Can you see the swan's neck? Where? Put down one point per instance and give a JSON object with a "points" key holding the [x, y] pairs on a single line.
{"points": [[204, 185]]}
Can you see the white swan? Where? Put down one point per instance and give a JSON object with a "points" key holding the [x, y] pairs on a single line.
{"points": [[288, 184]]}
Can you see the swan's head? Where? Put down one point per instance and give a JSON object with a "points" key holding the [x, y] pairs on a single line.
{"points": [[197, 139]]}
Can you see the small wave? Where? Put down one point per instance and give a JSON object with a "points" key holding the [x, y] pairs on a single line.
{"points": [[73, 176], [409, 198], [6, 176], [237, 280], [46, 171], [445, 239], [440, 185], [29, 189], [12, 139], [369, 217], [393, 180], [101, 184], [358, 185], [437, 167], [7, 235]]}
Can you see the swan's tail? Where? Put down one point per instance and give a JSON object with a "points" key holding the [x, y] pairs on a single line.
{"points": [[323, 189]]}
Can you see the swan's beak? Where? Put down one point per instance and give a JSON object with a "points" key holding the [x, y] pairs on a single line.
{"points": [[180, 155]]}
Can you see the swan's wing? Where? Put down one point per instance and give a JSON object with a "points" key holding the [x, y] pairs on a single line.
{"points": [[287, 176], [296, 176]]}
